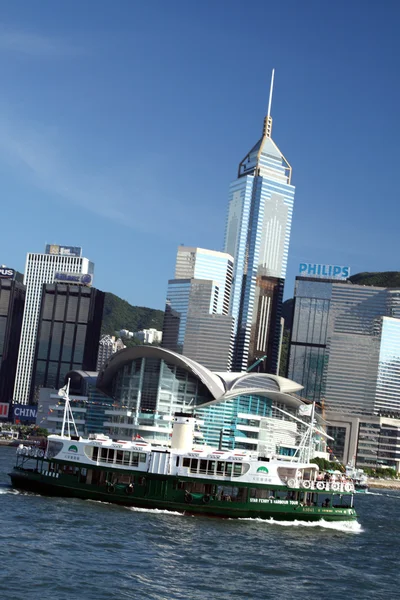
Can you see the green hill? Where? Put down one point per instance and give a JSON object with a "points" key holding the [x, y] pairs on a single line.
{"points": [[119, 314], [390, 279]]}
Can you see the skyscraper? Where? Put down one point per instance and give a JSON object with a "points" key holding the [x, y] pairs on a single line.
{"points": [[196, 322], [40, 268], [12, 298], [68, 333], [257, 236]]}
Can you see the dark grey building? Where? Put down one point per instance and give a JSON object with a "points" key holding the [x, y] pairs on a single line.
{"points": [[12, 301], [68, 333]]}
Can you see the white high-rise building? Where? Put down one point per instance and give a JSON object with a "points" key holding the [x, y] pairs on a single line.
{"points": [[41, 268], [108, 346]]}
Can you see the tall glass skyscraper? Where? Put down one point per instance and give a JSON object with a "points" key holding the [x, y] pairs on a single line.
{"points": [[257, 236], [196, 322]]}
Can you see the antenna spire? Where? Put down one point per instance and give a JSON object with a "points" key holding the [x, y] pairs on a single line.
{"points": [[268, 118], [271, 89]]}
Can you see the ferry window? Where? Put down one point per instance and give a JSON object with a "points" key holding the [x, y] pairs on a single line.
{"points": [[220, 468], [237, 469], [203, 466], [177, 461], [127, 456], [142, 457], [110, 455], [211, 467], [119, 457], [135, 459], [194, 464], [95, 453], [186, 462], [104, 452], [261, 493], [228, 469], [53, 448]]}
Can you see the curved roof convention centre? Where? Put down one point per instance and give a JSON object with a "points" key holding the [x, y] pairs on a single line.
{"points": [[221, 386]]}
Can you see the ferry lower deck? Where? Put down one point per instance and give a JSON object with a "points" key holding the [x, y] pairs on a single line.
{"points": [[229, 499]]}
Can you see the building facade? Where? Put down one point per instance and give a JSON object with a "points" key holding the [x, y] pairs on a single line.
{"points": [[108, 345], [257, 235], [41, 268], [196, 321], [366, 441], [12, 300], [148, 336], [69, 328], [252, 411]]}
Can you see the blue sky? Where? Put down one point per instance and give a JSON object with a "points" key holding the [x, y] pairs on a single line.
{"points": [[122, 125]]}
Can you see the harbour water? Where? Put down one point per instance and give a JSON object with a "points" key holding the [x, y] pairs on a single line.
{"points": [[60, 549]]}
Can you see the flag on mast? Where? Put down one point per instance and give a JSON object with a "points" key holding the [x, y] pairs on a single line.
{"points": [[63, 391], [305, 410]]}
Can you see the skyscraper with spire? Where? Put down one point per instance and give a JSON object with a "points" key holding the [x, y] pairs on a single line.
{"points": [[257, 236]]}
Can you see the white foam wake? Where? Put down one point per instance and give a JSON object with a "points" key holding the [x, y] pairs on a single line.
{"points": [[155, 511], [344, 526]]}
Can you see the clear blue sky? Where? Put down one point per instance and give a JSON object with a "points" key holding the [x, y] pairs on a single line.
{"points": [[122, 125]]}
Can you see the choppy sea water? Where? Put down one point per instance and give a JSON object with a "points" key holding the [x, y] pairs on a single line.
{"points": [[67, 549]]}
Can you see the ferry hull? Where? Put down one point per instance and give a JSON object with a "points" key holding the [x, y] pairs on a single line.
{"points": [[38, 483]]}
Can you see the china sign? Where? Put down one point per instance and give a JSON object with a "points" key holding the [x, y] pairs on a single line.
{"points": [[24, 412], [324, 271]]}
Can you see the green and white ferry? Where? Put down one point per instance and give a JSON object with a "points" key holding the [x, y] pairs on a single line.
{"points": [[182, 477]]}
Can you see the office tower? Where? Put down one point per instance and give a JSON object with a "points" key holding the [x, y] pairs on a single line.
{"points": [[12, 299], [257, 236], [362, 375], [68, 333], [200, 263], [196, 321], [108, 346], [40, 268], [345, 345]]}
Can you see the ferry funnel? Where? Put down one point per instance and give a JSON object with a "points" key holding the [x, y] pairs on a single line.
{"points": [[182, 432]]}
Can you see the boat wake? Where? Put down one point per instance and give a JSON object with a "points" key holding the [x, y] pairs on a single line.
{"points": [[155, 511], [9, 490], [343, 526], [374, 493]]}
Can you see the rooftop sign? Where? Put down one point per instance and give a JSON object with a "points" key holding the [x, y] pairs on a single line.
{"points": [[324, 271], [64, 250], [6, 273], [74, 278]]}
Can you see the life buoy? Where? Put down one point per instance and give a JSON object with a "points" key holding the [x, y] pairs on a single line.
{"points": [[291, 483], [188, 497], [40, 453], [320, 485], [206, 498], [335, 486], [307, 485], [348, 487], [129, 489], [31, 451]]}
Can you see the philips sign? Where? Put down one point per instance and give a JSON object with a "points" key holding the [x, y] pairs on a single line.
{"points": [[24, 412], [325, 271], [76, 278]]}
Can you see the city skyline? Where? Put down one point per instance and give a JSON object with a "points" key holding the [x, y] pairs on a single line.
{"points": [[79, 115]]}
